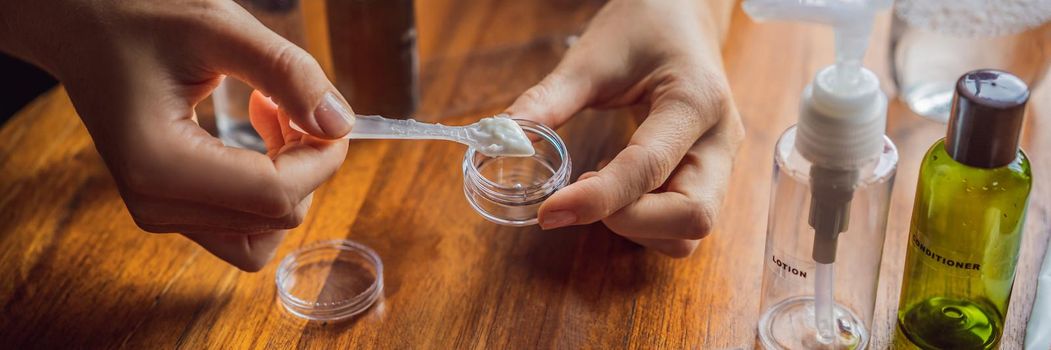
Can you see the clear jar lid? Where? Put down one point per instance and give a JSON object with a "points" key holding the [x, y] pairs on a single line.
{"points": [[330, 280]]}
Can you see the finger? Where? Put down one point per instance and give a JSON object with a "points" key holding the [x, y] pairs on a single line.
{"points": [[264, 117], [676, 248], [275, 122], [691, 202], [246, 252], [195, 229], [242, 47], [643, 166], [291, 136], [309, 162], [185, 163], [170, 216]]}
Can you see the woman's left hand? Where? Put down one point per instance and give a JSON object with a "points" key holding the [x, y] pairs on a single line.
{"points": [[665, 188]]}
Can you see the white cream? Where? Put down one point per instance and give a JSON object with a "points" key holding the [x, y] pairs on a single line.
{"points": [[500, 136]]}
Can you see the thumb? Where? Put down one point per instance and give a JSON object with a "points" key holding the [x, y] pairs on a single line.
{"points": [[263, 114], [293, 79], [588, 200]]}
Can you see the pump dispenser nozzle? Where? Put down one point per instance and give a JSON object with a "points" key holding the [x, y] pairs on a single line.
{"points": [[839, 131], [832, 191]]}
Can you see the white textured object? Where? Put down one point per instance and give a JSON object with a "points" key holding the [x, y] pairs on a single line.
{"points": [[974, 18], [502, 136]]}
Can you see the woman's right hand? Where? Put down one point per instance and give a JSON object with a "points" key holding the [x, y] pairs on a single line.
{"points": [[135, 70]]}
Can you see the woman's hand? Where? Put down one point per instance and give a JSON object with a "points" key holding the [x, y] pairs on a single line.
{"points": [[135, 70], [665, 188]]}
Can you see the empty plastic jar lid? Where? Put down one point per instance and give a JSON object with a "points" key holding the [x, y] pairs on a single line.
{"points": [[330, 280]]}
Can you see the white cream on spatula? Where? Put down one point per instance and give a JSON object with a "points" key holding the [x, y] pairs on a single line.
{"points": [[501, 136], [498, 136]]}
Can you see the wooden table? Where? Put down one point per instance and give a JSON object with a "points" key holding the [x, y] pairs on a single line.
{"points": [[76, 271]]}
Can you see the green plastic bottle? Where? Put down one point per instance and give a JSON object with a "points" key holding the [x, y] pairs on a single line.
{"points": [[967, 221]]}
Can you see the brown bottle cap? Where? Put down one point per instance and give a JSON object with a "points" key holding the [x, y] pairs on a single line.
{"points": [[986, 120]]}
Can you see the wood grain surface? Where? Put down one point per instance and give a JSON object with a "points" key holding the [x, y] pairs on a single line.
{"points": [[76, 272]]}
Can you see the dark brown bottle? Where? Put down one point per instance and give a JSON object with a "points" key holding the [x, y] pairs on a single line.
{"points": [[374, 57]]}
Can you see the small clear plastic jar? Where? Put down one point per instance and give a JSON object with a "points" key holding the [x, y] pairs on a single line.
{"points": [[509, 190], [330, 280]]}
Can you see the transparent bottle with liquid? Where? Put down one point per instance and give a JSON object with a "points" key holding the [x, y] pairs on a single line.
{"points": [[933, 42], [809, 272]]}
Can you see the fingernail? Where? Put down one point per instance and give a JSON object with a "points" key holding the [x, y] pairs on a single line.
{"points": [[333, 116], [556, 219]]}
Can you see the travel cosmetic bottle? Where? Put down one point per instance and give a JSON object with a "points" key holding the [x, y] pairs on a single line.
{"points": [[833, 174], [967, 220]]}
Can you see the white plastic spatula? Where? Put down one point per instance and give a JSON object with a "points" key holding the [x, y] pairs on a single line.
{"points": [[494, 136]]}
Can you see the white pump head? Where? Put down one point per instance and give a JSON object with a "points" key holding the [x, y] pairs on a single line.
{"points": [[842, 128], [843, 114]]}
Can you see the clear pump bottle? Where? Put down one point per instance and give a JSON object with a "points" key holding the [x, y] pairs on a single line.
{"points": [[833, 175]]}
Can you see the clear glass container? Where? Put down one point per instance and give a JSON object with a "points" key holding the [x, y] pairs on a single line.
{"points": [[933, 42], [230, 98], [788, 291], [330, 280], [509, 190]]}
